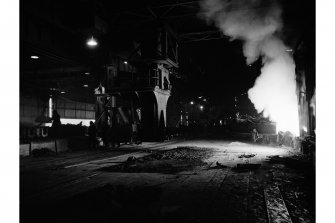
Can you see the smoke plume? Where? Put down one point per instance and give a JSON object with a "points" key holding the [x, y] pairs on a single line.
{"points": [[257, 23]]}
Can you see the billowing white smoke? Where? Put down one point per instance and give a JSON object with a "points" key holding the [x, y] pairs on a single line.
{"points": [[257, 23], [274, 91]]}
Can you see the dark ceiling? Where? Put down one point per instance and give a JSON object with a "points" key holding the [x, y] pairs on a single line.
{"points": [[209, 61]]}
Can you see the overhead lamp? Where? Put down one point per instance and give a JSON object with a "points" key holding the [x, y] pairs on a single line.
{"points": [[201, 107], [191, 102], [125, 62], [34, 57], [87, 73], [85, 85], [62, 92], [92, 42]]}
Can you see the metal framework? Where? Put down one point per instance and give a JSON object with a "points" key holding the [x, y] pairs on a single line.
{"points": [[169, 13], [202, 36]]}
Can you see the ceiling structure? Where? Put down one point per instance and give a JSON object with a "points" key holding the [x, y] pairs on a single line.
{"points": [[119, 26], [62, 28]]}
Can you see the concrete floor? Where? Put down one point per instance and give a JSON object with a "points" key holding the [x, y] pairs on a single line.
{"points": [[71, 187]]}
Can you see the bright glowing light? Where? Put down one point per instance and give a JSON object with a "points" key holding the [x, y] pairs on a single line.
{"points": [[92, 42], [50, 107], [62, 92], [204, 99], [85, 85], [125, 62], [274, 93], [191, 102], [64, 121], [304, 128], [87, 73], [201, 107], [34, 57]]}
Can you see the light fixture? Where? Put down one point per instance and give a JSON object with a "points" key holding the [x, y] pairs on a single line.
{"points": [[201, 107], [92, 42], [191, 102], [85, 85], [204, 99], [34, 57], [62, 92], [50, 106], [125, 62], [87, 73]]}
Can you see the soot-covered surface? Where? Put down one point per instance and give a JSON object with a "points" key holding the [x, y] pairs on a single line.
{"points": [[228, 182], [171, 161]]}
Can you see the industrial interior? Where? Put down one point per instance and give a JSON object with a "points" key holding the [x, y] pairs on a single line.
{"points": [[167, 111]]}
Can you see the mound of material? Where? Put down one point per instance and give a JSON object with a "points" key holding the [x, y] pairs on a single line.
{"points": [[246, 155], [171, 161], [181, 153]]}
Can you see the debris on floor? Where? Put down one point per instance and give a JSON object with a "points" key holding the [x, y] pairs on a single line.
{"points": [[131, 159], [170, 161], [217, 165], [276, 208], [246, 155], [208, 183], [181, 153]]}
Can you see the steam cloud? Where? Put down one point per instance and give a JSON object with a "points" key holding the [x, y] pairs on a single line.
{"points": [[257, 23]]}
